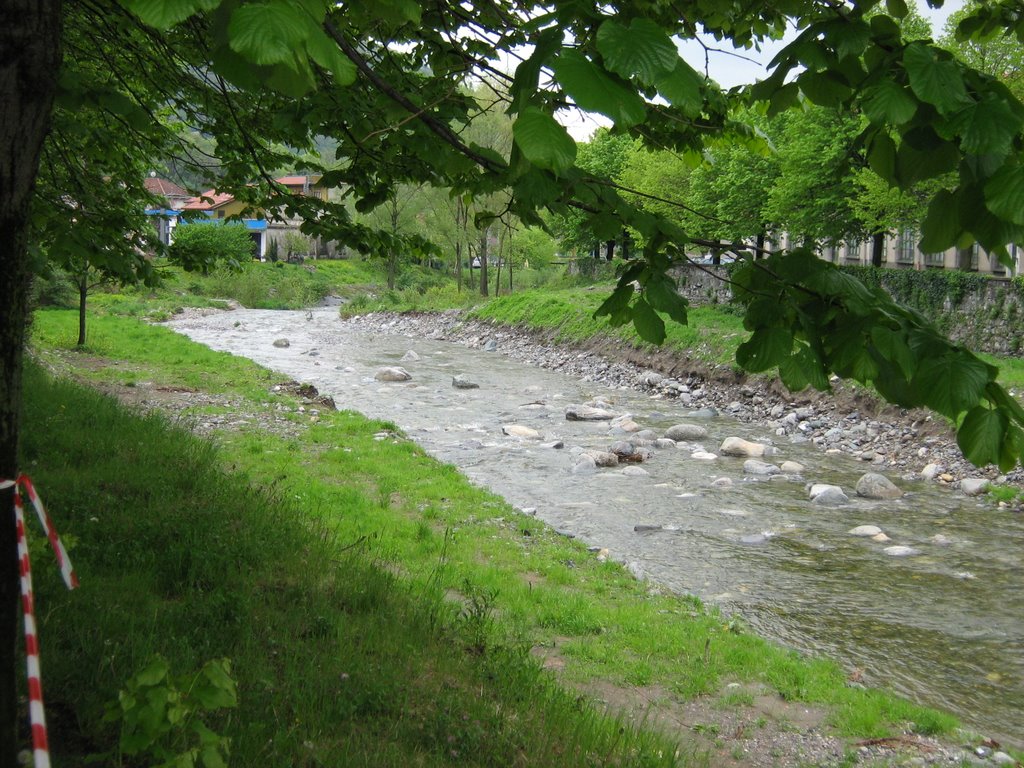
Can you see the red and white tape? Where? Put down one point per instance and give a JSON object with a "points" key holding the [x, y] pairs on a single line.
{"points": [[37, 715]]}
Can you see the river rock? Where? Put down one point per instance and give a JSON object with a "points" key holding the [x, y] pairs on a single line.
{"points": [[282, 343], [554, 444], [410, 357], [588, 413], [865, 530], [624, 424], [491, 346], [931, 471], [622, 448], [461, 382], [898, 550], [974, 486], [1002, 758], [722, 482], [602, 458], [875, 486], [881, 538], [792, 467], [392, 373], [703, 456], [702, 413], [585, 465], [737, 446], [681, 432], [518, 430], [664, 442], [823, 493], [635, 472], [755, 467]]}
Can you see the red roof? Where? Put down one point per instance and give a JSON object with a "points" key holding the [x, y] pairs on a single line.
{"points": [[298, 181], [208, 200], [163, 187]]}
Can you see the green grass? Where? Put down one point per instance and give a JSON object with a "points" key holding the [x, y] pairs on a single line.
{"points": [[711, 336], [374, 603]]}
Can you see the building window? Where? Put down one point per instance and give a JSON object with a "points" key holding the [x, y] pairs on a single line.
{"points": [[220, 214], [975, 256], [906, 247], [937, 260], [853, 251], [995, 265]]}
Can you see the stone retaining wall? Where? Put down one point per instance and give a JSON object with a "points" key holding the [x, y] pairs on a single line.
{"points": [[988, 318]]}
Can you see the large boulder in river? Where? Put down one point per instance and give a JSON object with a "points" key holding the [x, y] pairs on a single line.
{"points": [[392, 373], [461, 382], [755, 467], [681, 432], [588, 413], [737, 446], [876, 486], [282, 343]]}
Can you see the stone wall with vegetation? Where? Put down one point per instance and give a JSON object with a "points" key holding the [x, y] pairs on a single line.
{"points": [[983, 313]]}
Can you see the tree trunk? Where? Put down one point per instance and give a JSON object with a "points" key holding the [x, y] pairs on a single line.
{"points": [[483, 261], [30, 41], [83, 295], [877, 249], [609, 250], [761, 238]]}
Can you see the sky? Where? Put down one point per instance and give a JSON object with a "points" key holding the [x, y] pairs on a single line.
{"points": [[742, 67]]}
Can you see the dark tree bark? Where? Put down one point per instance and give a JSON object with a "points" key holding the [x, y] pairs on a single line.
{"points": [[83, 297], [482, 254], [29, 60], [877, 249]]}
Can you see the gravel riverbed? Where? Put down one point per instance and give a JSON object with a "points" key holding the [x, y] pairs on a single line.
{"points": [[848, 420]]}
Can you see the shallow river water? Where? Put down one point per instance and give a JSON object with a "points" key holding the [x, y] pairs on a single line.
{"points": [[944, 626]]}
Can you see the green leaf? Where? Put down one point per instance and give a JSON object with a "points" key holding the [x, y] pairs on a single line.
{"points": [[1004, 193], [941, 227], [986, 128], [888, 103], [617, 304], [643, 49], [594, 90], [952, 383], [893, 347], [980, 436], [543, 141], [897, 8], [267, 32], [648, 325], [154, 672], [934, 78], [683, 87], [164, 14], [325, 52], [914, 164], [824, 88], [1013, 448], [766, 348], [662, 295], [882, 157]]}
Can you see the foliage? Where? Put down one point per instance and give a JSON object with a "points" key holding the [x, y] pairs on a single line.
{"points": [[161, 716], [203, 244], [928, 290]]}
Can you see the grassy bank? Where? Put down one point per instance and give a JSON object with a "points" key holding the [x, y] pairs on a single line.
{"points": [[376, 607]]}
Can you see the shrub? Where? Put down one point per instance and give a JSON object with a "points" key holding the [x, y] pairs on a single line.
{"points": [[206, 244]]}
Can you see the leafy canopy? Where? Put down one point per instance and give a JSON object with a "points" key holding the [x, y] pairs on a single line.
{"points": [[385, 81]]}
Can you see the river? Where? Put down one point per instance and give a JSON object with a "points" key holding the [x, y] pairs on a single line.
{"points": [[944, 626]]}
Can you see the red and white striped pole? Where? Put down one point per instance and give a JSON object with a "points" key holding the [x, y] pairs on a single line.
{"points": [[37, 714]]}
